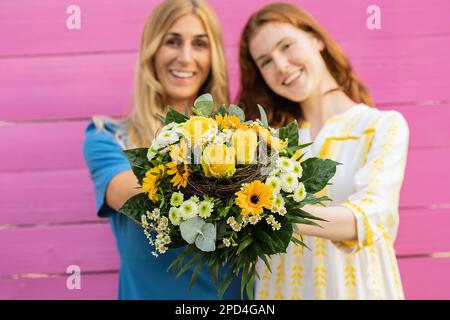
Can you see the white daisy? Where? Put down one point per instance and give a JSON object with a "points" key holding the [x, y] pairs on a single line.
{"points": [[289, 182], [300, 193], [297, 169], [274, 183], [226, 242], [176, 199], [205, 209], [174, 216], [285, 164], [188, 209]]}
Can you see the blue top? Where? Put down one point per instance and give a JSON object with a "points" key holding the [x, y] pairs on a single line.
{"points": [[141, 276]]}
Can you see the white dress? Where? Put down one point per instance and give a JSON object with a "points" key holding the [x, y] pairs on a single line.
{"points": [[372, 146]]}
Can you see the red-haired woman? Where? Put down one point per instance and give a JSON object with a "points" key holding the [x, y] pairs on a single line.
{"points": [[296, 70]]}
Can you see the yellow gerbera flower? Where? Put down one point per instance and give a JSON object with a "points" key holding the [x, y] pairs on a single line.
{"points": [[254, 197], [180, 172], [151, 182], [228, 122]]}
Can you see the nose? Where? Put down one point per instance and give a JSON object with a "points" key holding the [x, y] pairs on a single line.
{"points": [[185, 54], [281, 63]]}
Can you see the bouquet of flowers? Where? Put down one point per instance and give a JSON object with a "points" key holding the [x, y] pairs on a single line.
{"points": [[230, 191]]}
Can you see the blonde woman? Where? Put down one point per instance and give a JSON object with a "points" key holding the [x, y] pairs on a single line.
{"points": [[181, 56], [293, 67]]}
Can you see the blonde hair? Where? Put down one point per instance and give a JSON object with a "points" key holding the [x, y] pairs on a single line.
{"points": [[142, 123]]}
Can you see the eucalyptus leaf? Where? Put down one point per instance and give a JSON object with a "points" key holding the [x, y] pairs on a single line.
{"points": [[206, 240], [237, 111], [263, 119], [204, 104], [191, 228]]}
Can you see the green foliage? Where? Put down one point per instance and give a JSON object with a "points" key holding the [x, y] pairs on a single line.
{"points": [[138, 162], [290, 132], [316, 173]]}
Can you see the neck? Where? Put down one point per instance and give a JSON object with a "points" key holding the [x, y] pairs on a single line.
{"points": [[322, 104]]}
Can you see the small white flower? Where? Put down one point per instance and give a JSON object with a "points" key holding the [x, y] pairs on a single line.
{"points": [[154, 215], [195, 199], [226, 242], [285, 164], [276, 226], [254, 219], [176, 199], [151, 153], [289, 182], [281, 210], [188, 209], [144, 221], [174, 216], [278, 201], [236, 227], [297, 169], [231, 220], [270, 219], [275, 172], [205, 209], [165, 138], [274, 183], [300, 193]]}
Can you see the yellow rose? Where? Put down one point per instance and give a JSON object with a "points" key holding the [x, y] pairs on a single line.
{"points": [[276, 143], [245, 143], [197, 126], [218, 161]]}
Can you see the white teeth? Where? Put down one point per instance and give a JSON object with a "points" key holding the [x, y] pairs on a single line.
{"points": [[181, 74], [292, 77]]}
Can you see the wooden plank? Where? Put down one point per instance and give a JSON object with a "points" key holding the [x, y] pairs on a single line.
{"points": [[395, 70], [423, 231], [31, 28], [425, 278], [65, 87], [47, 197], [53, 249], [93, 286]]}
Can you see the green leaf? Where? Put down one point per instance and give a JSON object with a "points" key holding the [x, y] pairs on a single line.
{"points": [[179, 260], [263, 119], [174, 116], [186, 110], [221, 110], [250, 282], [236, 110], [317, 172], [162, 118], [197, 269], [290, 132], [135, 206], [138, 161], [189, 264], [296, 219], [204, 104], [206, 240], [244, 244], [244, 278]]}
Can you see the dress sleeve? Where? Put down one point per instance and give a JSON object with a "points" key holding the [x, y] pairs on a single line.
{"points": [[377, 184], [105, 159]]}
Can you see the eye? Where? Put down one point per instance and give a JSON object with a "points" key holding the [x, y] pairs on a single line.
{"points": [[172, 42], [265, 62], [200, 44], [286, 46]]}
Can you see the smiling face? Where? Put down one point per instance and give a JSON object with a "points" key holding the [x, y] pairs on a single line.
{"points": [[289, 60], [183, 60]]}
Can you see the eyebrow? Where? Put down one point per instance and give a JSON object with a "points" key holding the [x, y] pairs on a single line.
{"points": [[276, 45], [176, 34]]}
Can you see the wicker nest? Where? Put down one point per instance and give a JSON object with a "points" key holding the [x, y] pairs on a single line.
{"points": [[224, 188]]}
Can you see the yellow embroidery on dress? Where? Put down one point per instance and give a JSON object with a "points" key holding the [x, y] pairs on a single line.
{"points": [[370, 135], [350, 277], [297, 271], [375, 272], [368, 241], [263, 293], [279, 279]]}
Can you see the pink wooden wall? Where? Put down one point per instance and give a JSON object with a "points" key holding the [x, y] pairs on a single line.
{"points": [[52, 80]]}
